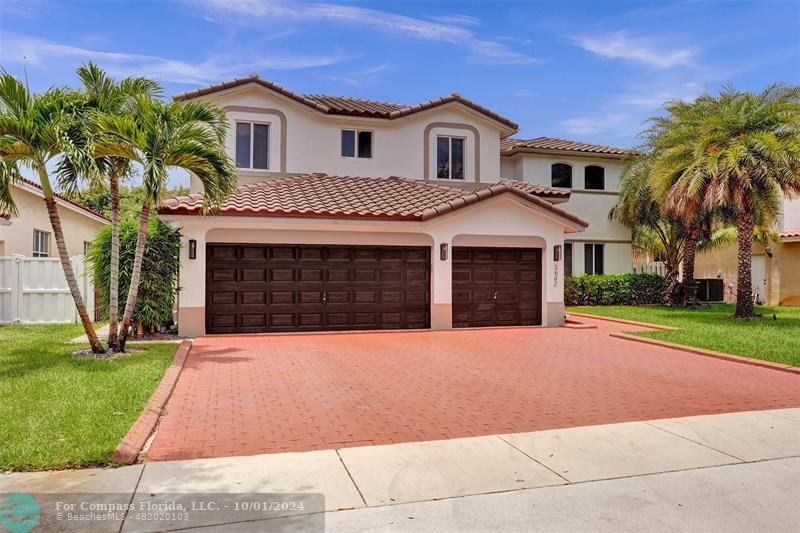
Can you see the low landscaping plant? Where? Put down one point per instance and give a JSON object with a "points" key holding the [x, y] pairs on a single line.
{"points": [[614, 289], [158, 286]]}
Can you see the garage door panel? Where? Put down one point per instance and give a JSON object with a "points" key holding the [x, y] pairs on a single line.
{"points": [[254, 252], [223, 252], [281, 274], [305, 288], [497, 287]]}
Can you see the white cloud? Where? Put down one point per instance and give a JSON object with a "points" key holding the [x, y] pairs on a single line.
{"points": [[457, 20], [655, 97], [593, 124], [620, 46], [360, 77], [38, 52], [450, 31]]}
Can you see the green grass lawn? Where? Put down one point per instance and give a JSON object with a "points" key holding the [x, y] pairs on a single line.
{"points": [[58, 411], [713, 329]]}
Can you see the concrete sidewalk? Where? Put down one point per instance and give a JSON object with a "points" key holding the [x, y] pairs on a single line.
{"points": [[737, 471]]}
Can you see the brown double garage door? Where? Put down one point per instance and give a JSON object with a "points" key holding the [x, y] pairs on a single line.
{"points": [[254, 288]]}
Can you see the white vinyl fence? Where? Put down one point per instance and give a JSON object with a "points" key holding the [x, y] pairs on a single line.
{"points": [[33, 290]]}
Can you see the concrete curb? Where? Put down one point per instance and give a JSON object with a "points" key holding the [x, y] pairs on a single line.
{"points": [[708, 353], [127, 451], [624, 321]]}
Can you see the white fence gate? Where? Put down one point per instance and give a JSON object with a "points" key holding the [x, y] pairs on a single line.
{"points": [[34, 290]]}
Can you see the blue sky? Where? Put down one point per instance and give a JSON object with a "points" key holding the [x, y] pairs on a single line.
{"points": [[586, 70]]}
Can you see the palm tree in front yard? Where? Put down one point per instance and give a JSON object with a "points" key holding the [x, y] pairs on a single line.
{"points": [[107, 96], [34, 131], [160, 136], [738, 152]]}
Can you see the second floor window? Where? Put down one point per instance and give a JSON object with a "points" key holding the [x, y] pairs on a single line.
{"points": [[252, 145], [561, 175], [450, 158], [357, 143], [594, 178], [41, 243]]}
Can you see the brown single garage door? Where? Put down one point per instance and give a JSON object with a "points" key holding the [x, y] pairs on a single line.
{"points": [[267, 288], [497, 287]]}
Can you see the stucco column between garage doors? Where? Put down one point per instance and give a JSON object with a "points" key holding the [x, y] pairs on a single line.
{"points": [[498, 222]]}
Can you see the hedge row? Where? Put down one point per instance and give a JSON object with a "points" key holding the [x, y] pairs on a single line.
{"points": [[614, 289]]}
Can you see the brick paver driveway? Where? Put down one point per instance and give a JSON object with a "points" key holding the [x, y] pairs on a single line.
{"points": [[242, 395]]}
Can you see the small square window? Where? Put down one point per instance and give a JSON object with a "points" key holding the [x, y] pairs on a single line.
{"points": [[252, 145], [594, 178], [356, 143], [41, 243], [561, 175]]}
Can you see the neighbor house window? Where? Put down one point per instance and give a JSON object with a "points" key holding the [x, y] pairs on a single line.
{"points": [[593, 258], [252, 145], [450, 158], [561, 175], [86, 245], [41, 243], [594, 178], [567, 258], [357, 143]]}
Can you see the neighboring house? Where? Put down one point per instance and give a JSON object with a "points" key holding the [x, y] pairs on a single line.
{"points": [[30, 234], [775, 267], [430, 232]]}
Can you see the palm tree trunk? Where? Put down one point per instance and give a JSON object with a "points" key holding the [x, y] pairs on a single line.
{"points": [[689, 255], [113, 289], [133, 290], [69, 274], [744, 282]]}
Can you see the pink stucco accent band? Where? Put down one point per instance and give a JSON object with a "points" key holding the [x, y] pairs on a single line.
{"points": [[127, 451]]}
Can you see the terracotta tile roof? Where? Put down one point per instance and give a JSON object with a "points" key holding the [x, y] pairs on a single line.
{"points": [[512, 145], [342, 105], [345, 105], [790, 234], [66, 200], [323, 196]]}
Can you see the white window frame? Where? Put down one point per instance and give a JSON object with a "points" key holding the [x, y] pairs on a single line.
{"points": [[41, 240], [450, 157], [356, 131], [252, 123]]}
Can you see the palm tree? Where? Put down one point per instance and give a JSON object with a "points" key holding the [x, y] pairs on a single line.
{"points": [[656, 232], [107, 96], [737, 151], [35, 130], [159, 136]]}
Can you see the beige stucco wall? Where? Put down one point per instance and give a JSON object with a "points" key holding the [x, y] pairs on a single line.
{"points": [[303, 140], [502, 221], [782, 271], [17, 237]]}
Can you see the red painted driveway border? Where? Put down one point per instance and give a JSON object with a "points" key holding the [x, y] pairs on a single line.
{"points": [[127, 451]]}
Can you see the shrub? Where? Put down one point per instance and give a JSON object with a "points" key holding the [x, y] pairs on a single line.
{"points": [[158, 287], [614, 289]]}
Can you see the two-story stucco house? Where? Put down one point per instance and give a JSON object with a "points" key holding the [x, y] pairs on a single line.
{"points": [[359, 214]]}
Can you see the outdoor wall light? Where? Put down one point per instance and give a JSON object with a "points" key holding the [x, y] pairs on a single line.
{"points": [[443, 251], [557, 252], [192, 249]]}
